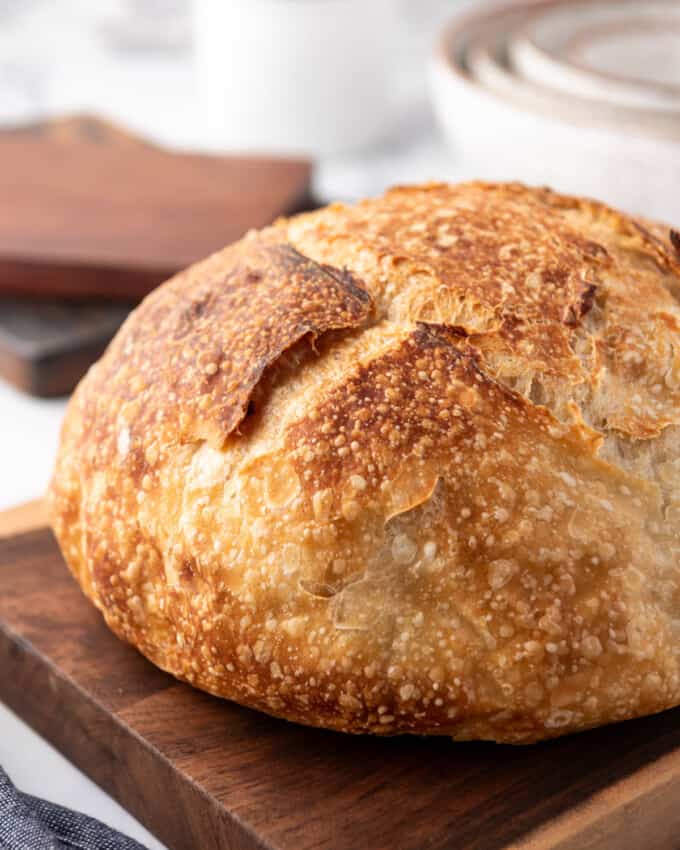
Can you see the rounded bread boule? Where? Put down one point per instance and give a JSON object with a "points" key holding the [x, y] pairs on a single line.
{"points": [[404, 466]]}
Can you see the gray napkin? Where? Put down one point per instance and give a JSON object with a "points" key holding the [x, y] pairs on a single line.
{"points": [[27, 823]]}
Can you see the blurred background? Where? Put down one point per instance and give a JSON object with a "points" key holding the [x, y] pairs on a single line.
{"points": [[324, 76], [139, 135]]}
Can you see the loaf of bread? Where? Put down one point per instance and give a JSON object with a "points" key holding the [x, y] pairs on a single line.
{"points": [[410, 466]]}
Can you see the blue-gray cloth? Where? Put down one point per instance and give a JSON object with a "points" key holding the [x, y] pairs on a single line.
{"points": [[27, 823]]}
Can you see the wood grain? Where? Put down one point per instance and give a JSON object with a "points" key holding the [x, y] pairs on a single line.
{"points": [[88, 210], [90, 213], [205, 773]]}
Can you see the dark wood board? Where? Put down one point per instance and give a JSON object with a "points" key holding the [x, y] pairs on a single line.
{"points": [[90, 210], [204, 773], [89, 213], [47, 346]]}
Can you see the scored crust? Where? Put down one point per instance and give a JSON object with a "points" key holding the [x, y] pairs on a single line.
{"points": [[406, 466]]}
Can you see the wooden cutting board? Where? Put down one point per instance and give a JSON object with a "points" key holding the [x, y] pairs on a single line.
{"points": [[204, 773], [47, 346], [91, 213], [89, 209]]}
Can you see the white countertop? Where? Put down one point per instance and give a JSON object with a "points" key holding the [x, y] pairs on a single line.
{"points": [[29, 428]]}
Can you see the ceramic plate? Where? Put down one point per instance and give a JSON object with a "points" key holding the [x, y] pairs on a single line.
{"points": [[485, 52], [625, 53], [503, 127]]}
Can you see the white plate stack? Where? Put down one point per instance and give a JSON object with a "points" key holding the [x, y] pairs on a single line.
{"points": [[582, 95]]}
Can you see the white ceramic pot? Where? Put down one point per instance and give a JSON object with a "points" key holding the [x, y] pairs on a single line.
{"points": [[510, 134], [297, 76]]}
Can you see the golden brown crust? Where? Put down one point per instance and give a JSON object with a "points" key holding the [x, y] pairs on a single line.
{"points": [[262, 290], [453, 508]]}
